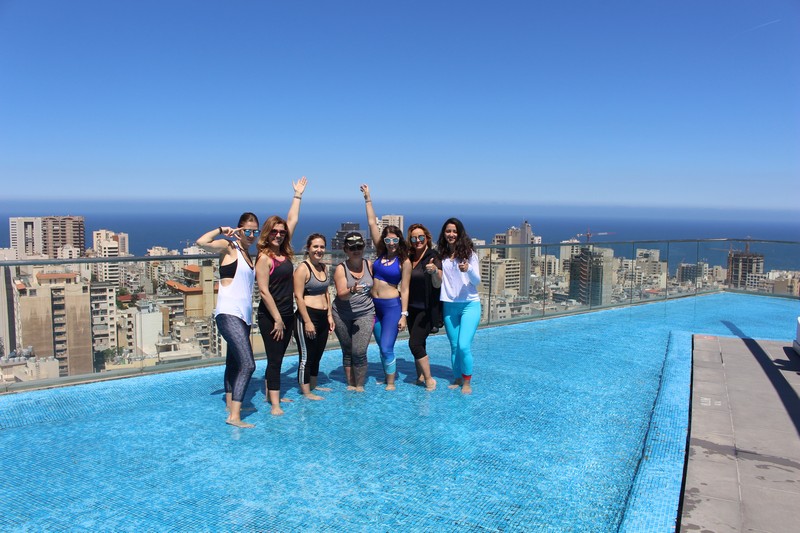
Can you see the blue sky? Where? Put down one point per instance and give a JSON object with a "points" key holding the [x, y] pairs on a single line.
{"points": [[636, 103]]}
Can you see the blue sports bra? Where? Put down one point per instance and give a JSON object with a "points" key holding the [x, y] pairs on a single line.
{"points": [[388, 271]]}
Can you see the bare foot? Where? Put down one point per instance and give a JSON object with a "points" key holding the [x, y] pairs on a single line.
{"points": [[467, 388], [454, 385], [286, 400], [353, 387], [276, 410], [430, 384], [420, 380], [324, 389], [359, 389], [239, 423], [390, 386], [311, 396]]}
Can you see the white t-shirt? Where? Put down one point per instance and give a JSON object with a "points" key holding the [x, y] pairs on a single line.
{"points": [[460, 286]]}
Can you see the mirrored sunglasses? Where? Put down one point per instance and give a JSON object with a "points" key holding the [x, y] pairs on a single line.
{"points": [[391, 240], [251, 232], [415, 240]]}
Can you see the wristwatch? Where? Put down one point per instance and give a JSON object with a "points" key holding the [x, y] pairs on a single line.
{"points": [[403, 313]]}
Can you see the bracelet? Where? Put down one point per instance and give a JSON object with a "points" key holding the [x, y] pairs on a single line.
{"points": [[367, 201], [298, 197], [220, 230]]}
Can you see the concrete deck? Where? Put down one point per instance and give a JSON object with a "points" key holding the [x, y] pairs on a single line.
{"points": [[744, 457]]}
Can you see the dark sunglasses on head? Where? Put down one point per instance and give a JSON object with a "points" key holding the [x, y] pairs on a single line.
{"points": [[251, 232], [280, 232], [391, 240], [415, 240]]}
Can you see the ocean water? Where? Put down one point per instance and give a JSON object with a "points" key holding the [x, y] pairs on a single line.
{"points": [[161, 225]]}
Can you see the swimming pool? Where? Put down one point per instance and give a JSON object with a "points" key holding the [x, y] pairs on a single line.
{"points": [[551, 439]]}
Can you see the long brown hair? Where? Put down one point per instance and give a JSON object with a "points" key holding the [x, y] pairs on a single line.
{"points": [[263, 240], [463, 246], [402, 246]]}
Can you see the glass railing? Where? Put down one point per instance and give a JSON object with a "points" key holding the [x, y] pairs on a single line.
{"points": [[64, 329]]}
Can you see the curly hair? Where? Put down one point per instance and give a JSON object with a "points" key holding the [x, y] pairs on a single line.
{"points": [[462, 248], [263, 240], [402, 245]]}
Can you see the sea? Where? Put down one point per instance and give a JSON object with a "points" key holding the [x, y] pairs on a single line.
{"points": [[178, 225]]}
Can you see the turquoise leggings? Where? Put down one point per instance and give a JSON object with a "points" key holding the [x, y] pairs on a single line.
{"points": [[461, 321]]}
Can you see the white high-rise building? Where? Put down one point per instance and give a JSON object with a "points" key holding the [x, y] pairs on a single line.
{"points": [[106, 244], [26, 236], [392, 220]]}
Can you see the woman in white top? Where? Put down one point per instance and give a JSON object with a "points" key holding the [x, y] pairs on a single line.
{"points": [[234, 311], [461, 305]]}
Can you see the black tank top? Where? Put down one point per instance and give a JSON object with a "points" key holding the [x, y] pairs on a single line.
{"points": [[281, 287]]}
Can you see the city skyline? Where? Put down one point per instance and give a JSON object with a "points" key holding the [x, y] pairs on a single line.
{"points": [[664, 105]]}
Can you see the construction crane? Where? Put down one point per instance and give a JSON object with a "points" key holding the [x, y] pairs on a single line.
{"points": [[589, 234]]}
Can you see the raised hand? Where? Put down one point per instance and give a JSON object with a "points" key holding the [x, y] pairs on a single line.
{"points": [[299, 186]]}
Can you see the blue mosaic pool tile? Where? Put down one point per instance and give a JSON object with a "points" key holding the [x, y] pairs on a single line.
{"points": [[655, 494], [550, 441]]}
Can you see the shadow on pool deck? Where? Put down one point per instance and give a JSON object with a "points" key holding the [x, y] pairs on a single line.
{"points": [[743, 472]]}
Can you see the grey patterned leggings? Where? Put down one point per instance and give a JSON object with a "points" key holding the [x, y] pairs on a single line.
{"points": [[354, 336], [239, 362]]}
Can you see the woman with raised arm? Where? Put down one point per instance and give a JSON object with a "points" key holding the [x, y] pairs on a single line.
{"points": [[234, 311], [314, 318], [392, 273], [423, 299], [353, 310], [461, 304], [274, 275]]}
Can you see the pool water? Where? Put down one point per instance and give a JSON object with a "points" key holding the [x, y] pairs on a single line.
{"points": [[552, 438]]}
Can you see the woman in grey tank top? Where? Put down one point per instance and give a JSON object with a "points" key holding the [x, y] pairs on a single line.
{"points": [[353, 310]]}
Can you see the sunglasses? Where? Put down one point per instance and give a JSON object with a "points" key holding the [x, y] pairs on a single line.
{"points": [[278, 232], [415, 240], [358, 246], [391, 240], [251, 232]]}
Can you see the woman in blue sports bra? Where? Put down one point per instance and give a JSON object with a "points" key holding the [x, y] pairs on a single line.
{"points": [[392, 274]]}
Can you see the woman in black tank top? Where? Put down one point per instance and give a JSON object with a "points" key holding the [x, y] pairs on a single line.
{"points": [[274, 278]]}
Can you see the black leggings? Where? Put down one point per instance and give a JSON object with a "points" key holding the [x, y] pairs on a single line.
{"points": [[239, 362], [419, 327], [310, 350], [275, 349]]}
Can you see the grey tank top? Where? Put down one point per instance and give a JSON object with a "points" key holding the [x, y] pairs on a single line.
{"points": [[360, 303], [314, 286]]}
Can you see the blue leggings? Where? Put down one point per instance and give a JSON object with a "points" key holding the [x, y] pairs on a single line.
{"points": [[239, 363], [461, 321], [387, 315]]}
